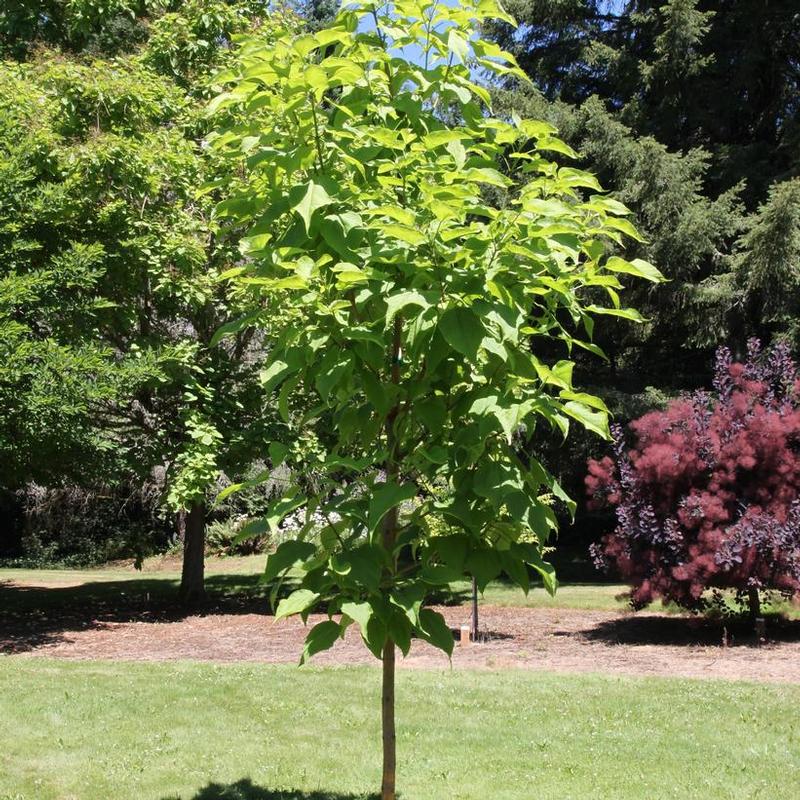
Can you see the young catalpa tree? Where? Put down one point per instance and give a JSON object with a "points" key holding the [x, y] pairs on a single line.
{"points": [[416, 279]]}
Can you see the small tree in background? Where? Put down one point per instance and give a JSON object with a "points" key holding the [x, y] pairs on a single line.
{"points": [[768, 264], [413, 302], [708, 495]]}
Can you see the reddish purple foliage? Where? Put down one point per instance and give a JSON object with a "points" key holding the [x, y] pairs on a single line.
{"points": [[708, 496]]}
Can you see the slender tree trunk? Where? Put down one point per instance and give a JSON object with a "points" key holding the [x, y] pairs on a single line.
{"points": [[389, 540], [387, 719], [759, 623], [387, 688], [192, 589], [180, 525], [474, 620]]}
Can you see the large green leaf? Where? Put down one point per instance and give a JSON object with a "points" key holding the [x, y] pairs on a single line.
{"points": [[376, 636], [451, 550], [637, 267], [462, 330], [296, 603], [457, 45], [484, 565], [234, 326], [360, 613], [625, 226], [282, 507], [288, 555], [252, 529], [595, 421], [397, 302], [362, 565], [439, 574], [516, 569], [434, 630], [409, 598], [436, 139], [403, 232], [321, 637], [546, 571], [386, 497], [305, 199], [624, 313], [399, 631], [277, 372]]}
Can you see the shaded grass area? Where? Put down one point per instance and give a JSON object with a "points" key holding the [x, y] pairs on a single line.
{"points": [[601, 597], [159, 568], [232, 579], [37, 607], [187, 731], [583, 596], [234, 584], [227, 581]]}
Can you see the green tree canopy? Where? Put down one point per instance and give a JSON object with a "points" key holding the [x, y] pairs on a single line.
{"points": [[715, 74], [424, 286], [109, 290]]}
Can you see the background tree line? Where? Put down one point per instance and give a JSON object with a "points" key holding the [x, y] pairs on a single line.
{"points": [[116, 414], [688, 111]]}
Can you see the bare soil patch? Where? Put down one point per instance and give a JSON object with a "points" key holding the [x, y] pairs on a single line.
{"points": [[536, 639]]}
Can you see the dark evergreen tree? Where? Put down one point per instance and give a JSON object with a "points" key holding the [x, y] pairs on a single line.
{"points": [[719, 74], [689, 110]]}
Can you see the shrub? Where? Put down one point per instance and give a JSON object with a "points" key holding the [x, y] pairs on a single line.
{"points": [[221, 539], [708, 494], [78, 526]]}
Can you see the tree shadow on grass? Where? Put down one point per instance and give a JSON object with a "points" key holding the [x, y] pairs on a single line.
{"points": [[246, 790], [36, 616], [650, 629]]}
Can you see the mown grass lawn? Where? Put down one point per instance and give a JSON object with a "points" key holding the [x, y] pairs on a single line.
{"points": [[581, 596], [188, 731]]}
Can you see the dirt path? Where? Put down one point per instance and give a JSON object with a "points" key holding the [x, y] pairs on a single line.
{"points": [[536, 639]]}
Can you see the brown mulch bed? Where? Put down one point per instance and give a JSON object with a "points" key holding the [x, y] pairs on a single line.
{"points": [[536, 639]]}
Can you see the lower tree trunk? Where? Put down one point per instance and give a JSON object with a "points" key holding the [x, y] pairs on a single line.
{"points": [[387, 719], [389, 541], [474, 620], [387, 689], [192, 589], [754, 603], [180, 525]]}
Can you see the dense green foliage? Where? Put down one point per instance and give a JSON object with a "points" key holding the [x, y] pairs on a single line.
{"points": [[690, 73], [109, 294], [423, 290], [689, 110], [686, 109], [417, 305]]}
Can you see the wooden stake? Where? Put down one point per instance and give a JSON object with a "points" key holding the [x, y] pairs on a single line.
{"points": [[761, 631], [474, 631]]}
